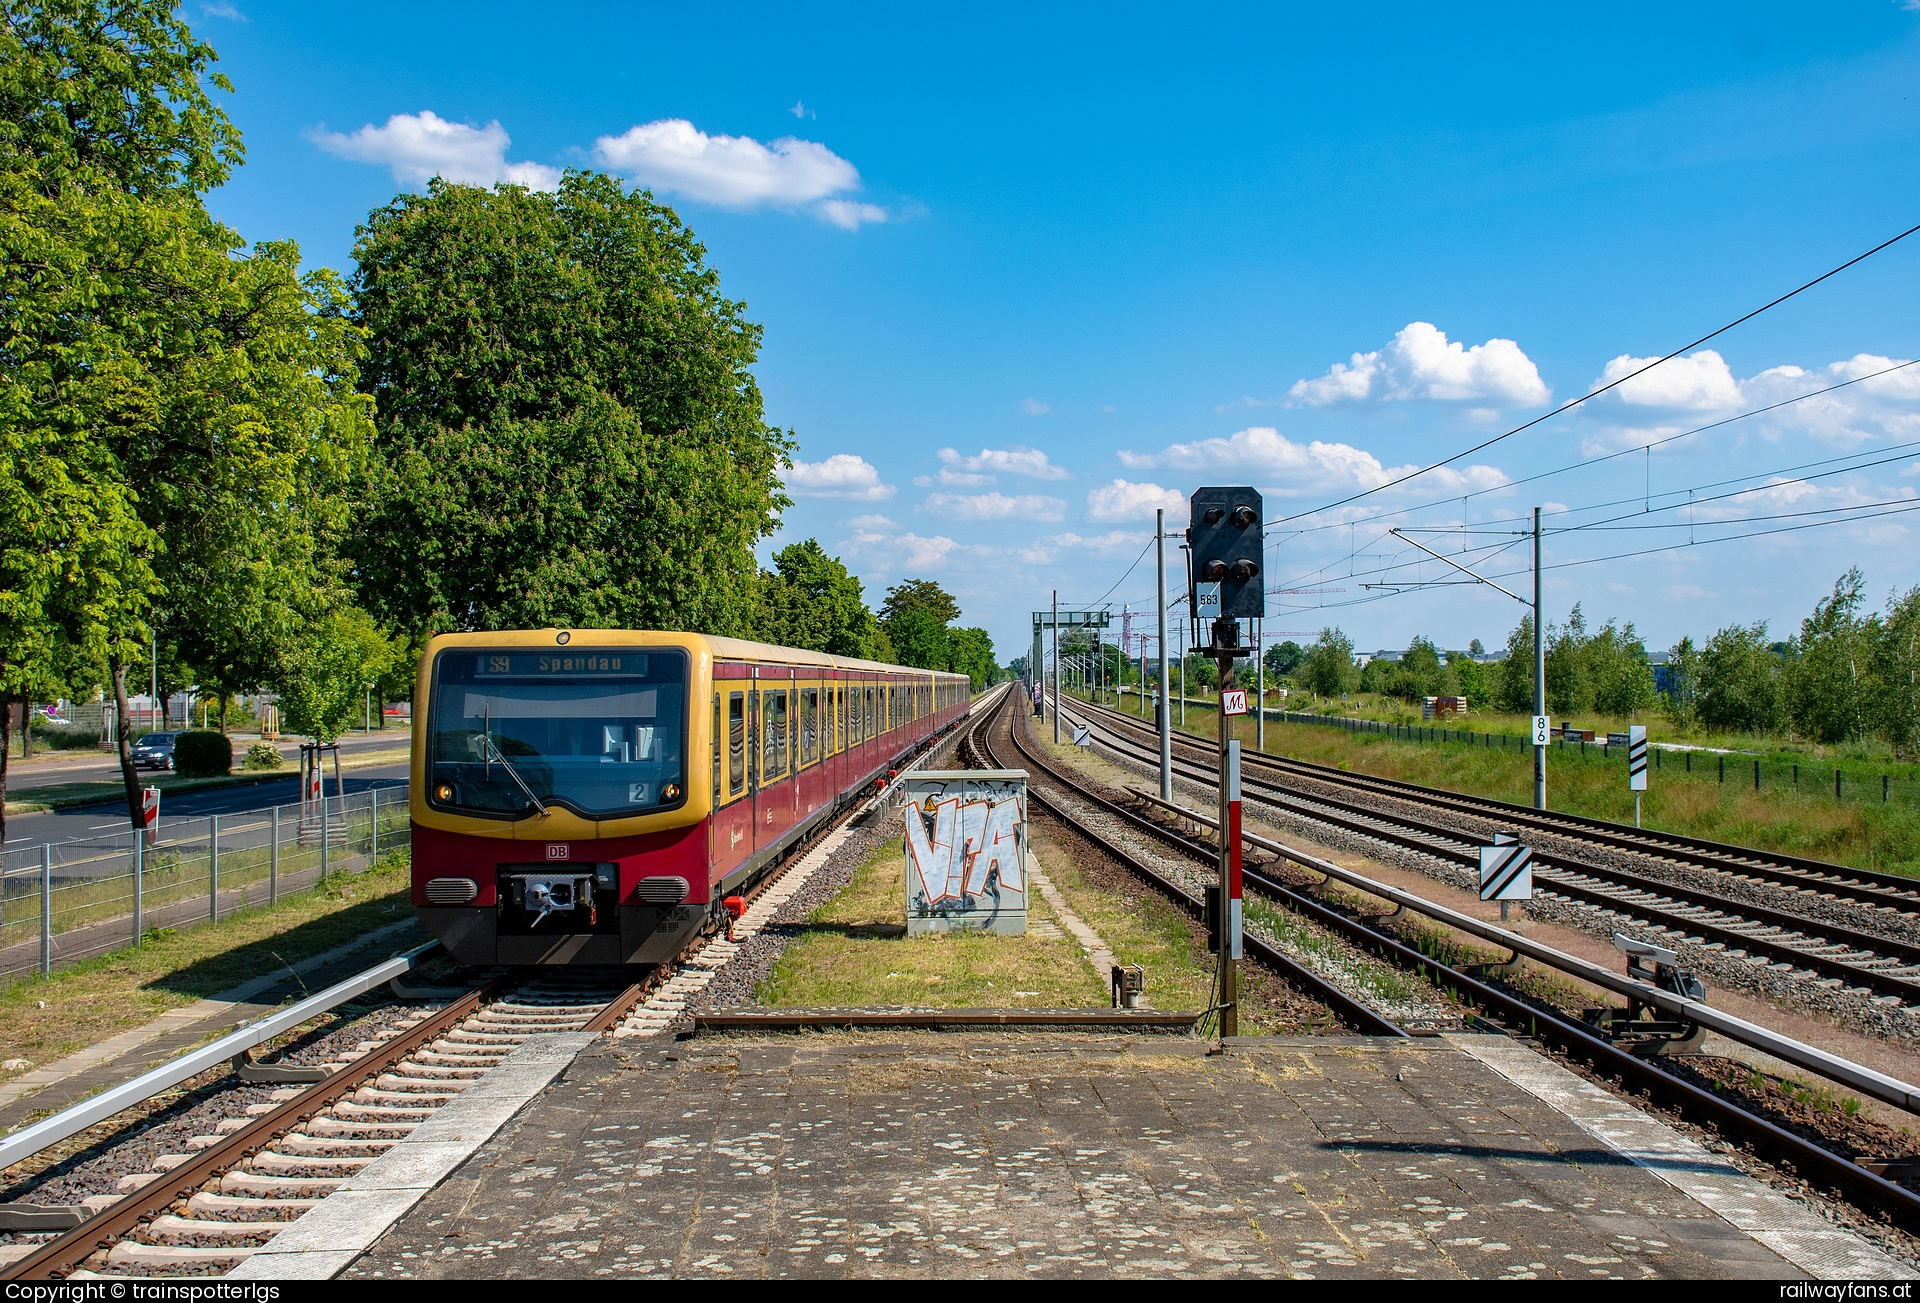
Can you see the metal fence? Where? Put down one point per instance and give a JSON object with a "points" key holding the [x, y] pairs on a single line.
{"points": [[1761, 773], [1856, 783], [63, 902]]}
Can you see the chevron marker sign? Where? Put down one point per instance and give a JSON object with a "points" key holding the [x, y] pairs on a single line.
{"points": [[1506, 872]]}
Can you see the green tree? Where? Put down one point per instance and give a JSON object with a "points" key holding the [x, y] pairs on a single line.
{"points": [[1569, 677], [1830, 689], [325, 669], [919, 638], [1512, 684], [1419, 673], [1621, 675], [970, 652], [170, 379], [919, 595], [810, 600], [1201, 673], [1469, 676], [1283, 659], [1681, 700], [1328, 668], [568, 427], [1896, 673], [1740, 681]]}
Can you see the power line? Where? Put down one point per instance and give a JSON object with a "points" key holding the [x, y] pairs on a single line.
{"points": [[1612, 384]]}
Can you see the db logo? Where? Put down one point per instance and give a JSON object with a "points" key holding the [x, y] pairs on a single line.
{"points": [[558, 850]]}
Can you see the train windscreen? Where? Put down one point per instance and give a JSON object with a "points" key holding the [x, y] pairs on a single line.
{"points": [[601, 732]]}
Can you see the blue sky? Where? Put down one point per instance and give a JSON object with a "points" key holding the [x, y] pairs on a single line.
{"points": [[1024, 277]]}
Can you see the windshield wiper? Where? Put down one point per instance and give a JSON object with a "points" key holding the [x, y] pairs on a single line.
{"points": [[486, 740]]}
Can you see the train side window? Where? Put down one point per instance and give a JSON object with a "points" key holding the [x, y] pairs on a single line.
{"points": [[736, 742], [867, 724], [718, 793], [773, 725], [809, 725]]}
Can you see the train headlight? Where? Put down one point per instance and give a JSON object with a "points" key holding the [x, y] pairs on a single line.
{"points": [[444, 792], [669, 793]]}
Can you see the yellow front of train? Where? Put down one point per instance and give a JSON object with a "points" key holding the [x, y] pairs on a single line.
{"points": [[559, 804]]}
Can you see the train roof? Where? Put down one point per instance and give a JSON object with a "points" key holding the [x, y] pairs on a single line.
{"points": [[741, 649]]}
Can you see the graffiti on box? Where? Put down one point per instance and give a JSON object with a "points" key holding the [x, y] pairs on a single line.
{"points": [[966, 849]]}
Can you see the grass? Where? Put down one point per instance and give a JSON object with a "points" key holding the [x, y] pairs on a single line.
{"points": [[1866, 834], [43, 1019], [825, 967]]}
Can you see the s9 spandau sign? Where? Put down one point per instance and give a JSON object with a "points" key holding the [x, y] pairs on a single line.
{"points": [[966, 850]]}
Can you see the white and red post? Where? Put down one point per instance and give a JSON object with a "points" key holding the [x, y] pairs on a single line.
{"points": [[1235, 853]]}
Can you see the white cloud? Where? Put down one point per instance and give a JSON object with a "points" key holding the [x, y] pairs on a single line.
{"points": [[674, 156], [870, 523], [800, 110], [1420, 363], [1264, 455], [1699, 382], [849, 215], [989, 462], [995, 506], [420, 146], [842, 475], [1115, 542], [891, 553], [1122, 500], [221, 9], [1034, 407], [1703, 386]]}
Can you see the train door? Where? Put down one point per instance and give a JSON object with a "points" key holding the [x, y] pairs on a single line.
{"points": [[732, 794]]}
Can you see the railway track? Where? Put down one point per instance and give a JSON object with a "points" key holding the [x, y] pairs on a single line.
{"points": [[1530, 1018], [1891, 892], [979, 743], [205, 1211], [1796, 945]]}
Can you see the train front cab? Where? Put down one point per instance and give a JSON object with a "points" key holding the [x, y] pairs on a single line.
{"points": [[557, 817]]}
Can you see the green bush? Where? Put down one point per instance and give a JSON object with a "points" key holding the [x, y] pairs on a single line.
{"points": [[202, 754], [262, 755], [65, 739]]}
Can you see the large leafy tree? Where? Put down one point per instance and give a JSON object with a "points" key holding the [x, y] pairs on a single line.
{"points": [[1829, 684], [195, 396], [810, 600], [1739, 681], [568, 429], [1328, 667]]}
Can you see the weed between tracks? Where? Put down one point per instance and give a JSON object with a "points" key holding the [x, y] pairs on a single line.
{"points": [[45, 1019], [825, 967]]}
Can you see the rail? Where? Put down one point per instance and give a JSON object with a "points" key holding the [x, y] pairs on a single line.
{"points": [[30, 1140], [1888, 1090]]}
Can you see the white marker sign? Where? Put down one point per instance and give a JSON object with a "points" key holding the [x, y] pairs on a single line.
{"points": [[1506, 871], [1542, 730], [1636, 757], [1082, 735], [1234, 702]]}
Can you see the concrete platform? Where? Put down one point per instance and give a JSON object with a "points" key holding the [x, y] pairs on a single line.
{"points": [[1053, 1154]]}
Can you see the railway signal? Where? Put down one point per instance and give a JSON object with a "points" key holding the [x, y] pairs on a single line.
{"points": [[1226, 537]]}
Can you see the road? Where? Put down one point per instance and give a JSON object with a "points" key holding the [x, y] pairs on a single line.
{"points": [[49, 768]]}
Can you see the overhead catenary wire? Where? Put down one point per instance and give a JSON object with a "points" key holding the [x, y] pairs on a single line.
{"points": [[1618, 381]]}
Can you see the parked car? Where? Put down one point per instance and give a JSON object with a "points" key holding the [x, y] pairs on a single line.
{"points": [[154, 751]]}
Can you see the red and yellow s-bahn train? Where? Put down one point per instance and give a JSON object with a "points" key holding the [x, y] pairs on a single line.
{"points": [[590, 796]]}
